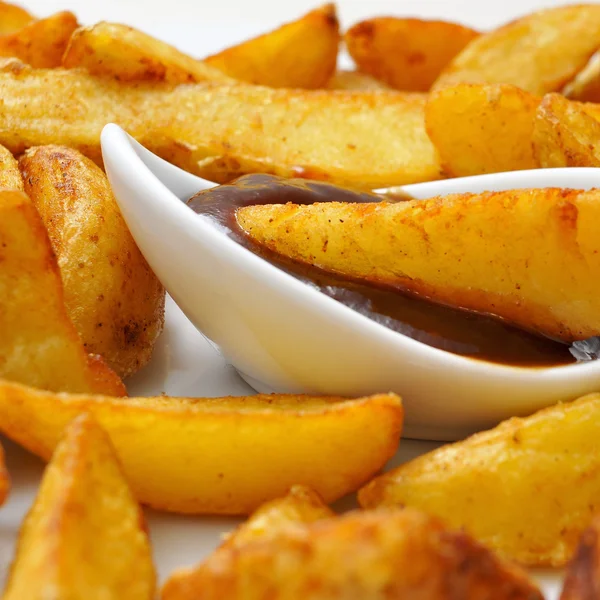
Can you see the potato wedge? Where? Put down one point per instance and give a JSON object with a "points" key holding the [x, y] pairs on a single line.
{"points": [[10, 176], [127, 54], [225, 455], [585, 86], [41, 43], [5, 481], [84, 538], [482, 128], [382, 554], [39, 345], [539, 53], [547, 466], [300, 54], [13, 18], [362, 139], [407, 54], [565, 134], [353, 80], [442, 249], [112, 296]]}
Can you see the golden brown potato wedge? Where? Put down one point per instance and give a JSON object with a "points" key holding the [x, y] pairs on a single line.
{"points": [[547, 466], [122, 52], [10, 176], [385, 554], [13, 18], [112, 296], [482, 128], [226, 455], [4, 478], [39, 345], [41, 43], [565, 134], [539, 53], [300, 54], [407, 54], [443, 249], [353, 80], [362, 139], [84, 538], [585, 86]]}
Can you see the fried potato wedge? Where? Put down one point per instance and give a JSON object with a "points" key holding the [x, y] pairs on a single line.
{"points": [[547, 466], [127, 54], [112, 296], [10, 176], [39, 345], [585, 86], [84, 537], [565, 134], [300, 54], [41, 43], [5, 481], [226, 455], [353, 80], [442, 249], [482, 128], [539, 53], [407, 54], [13, 18], [362, 139], [383, 554]]}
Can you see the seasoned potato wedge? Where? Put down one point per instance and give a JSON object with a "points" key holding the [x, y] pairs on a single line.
{"points": [[41, 43], [84, 537], [547, 466], [407, 54], [13, 18], [300, 54], [112, 296], [482, 128], [353, 80], [4, 479], [362, 139], [38, 344], [122, 52], [226, 455], [586, 84], [539, 53], [384, 554], [582, 580], [471, 251], [565, 134], [10, 176]]}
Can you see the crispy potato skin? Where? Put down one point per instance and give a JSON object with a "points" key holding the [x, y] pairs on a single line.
{"points": [[113, 298], [300, 54], [41, 43], [546, 465], [39, 345], [582, 580], [241, 451], [84, 509], [361, 139], [10, 176], [4, 478], [470, 251], [353, 80], [13, 18], [381, 555], [462, 120], [126, 54], [407, 54]]}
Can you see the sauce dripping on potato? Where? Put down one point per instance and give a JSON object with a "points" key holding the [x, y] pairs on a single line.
{"points": [[454, 330]]}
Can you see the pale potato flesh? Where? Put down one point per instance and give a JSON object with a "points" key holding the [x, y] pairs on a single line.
{"points": [[220, 455], [84, 538], [353, 80], [13, 18], [529, 257], [363, 139], [377, 555], [112, 296], [539, 53], [527, 488]]}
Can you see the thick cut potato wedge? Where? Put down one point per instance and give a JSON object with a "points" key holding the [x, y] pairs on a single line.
{"points": [[4, 478], [582, 580], [300, 54], [38, 344], [122, 52], [547, 466], [565, 134], [586, 84], [226, 455], [539, 53], [41, 43], [471, 251], [362, 139], [84, 538], [353, 80], [10, 176], [482, 128], [407, 54], [113, 298], [385, 554], [13, 18]]}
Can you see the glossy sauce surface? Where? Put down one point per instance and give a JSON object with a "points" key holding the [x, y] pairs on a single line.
{"points": [[450, 329]]}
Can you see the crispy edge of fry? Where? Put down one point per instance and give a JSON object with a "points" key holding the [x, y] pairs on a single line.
{"points": [[10, 176]]}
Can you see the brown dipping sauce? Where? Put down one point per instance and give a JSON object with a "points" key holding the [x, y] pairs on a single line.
{"points": [[453, 330]]}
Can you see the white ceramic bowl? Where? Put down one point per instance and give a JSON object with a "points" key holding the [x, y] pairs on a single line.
{"points": [[284, 336]]}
